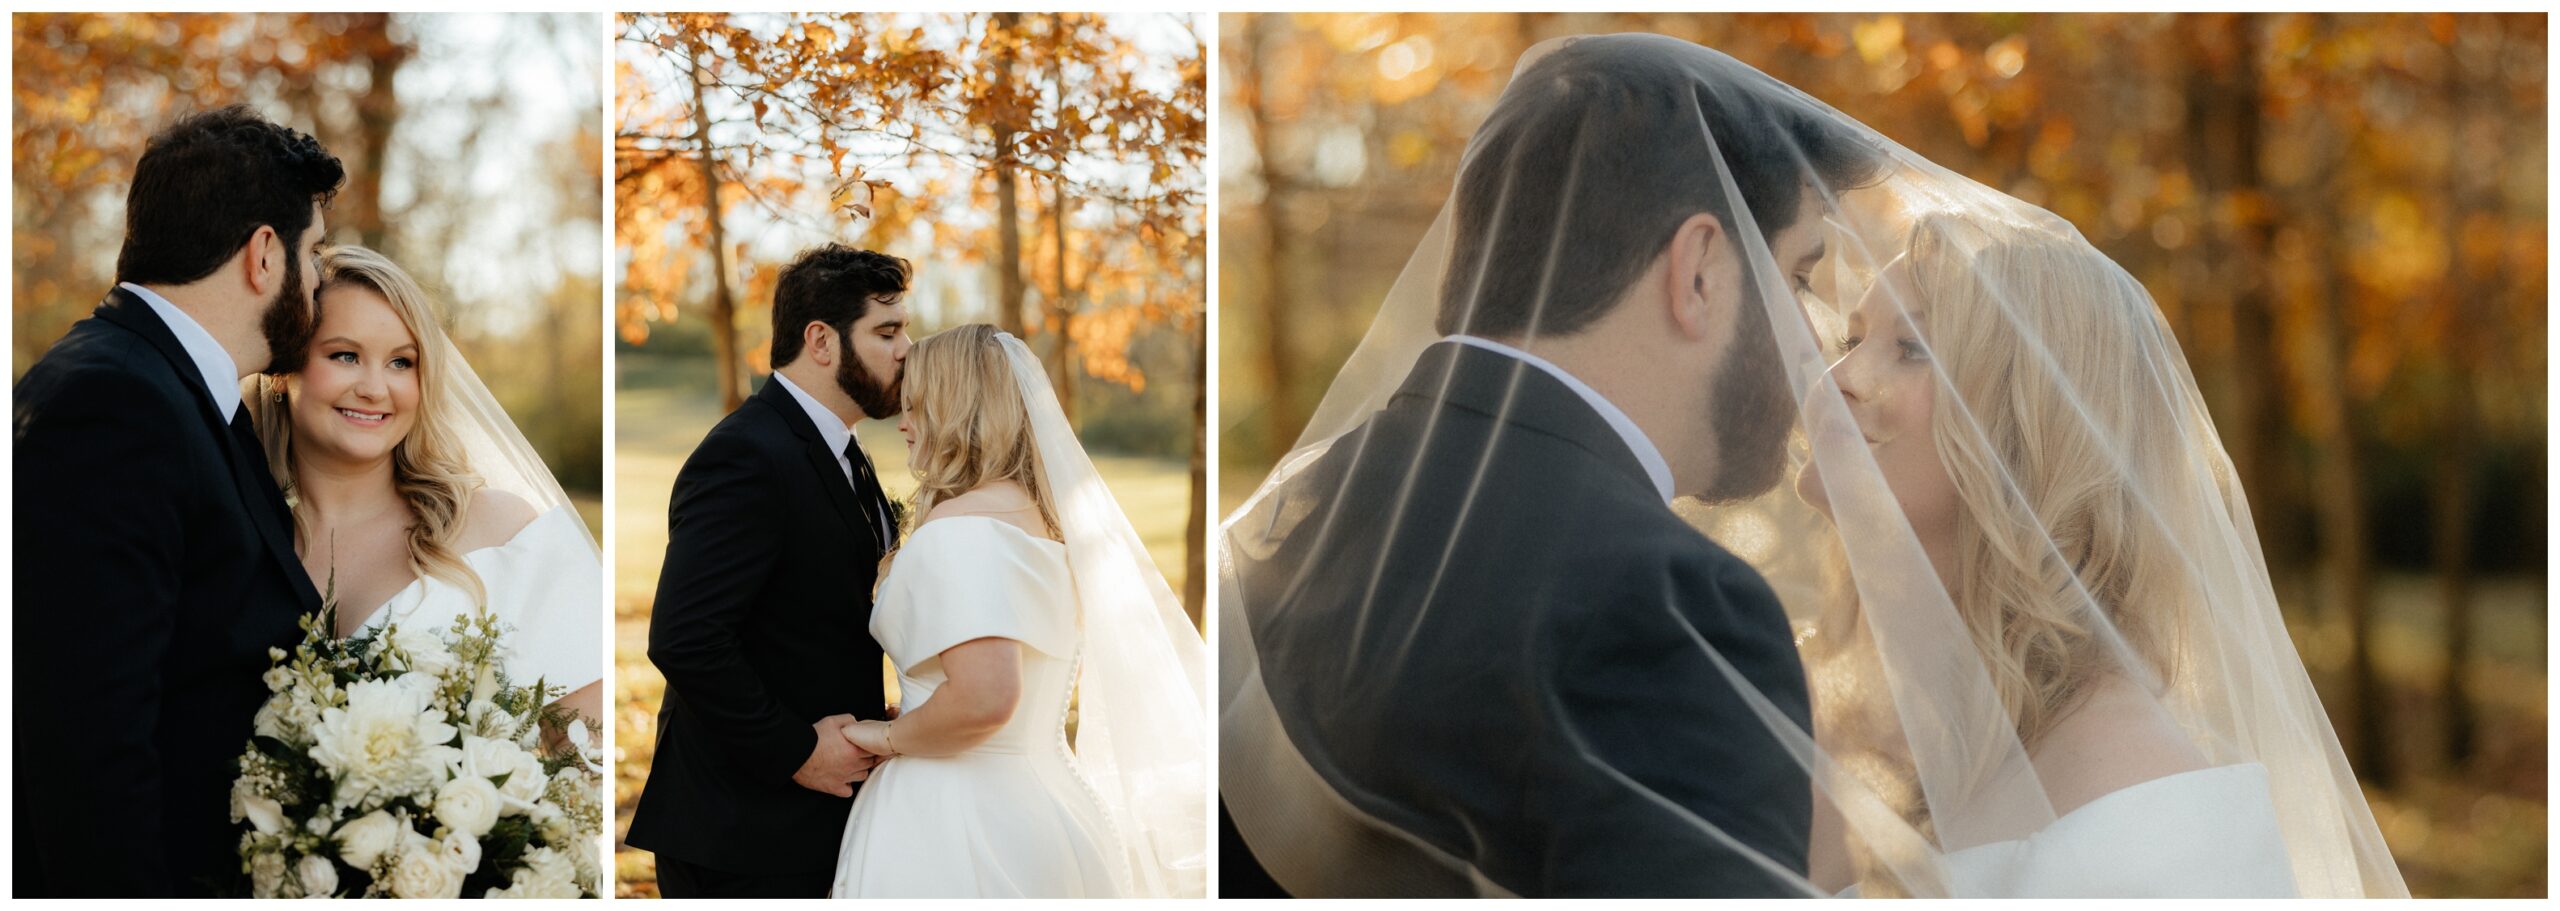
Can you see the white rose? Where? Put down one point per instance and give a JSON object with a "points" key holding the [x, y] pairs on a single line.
{"points": [[461, 852], [266, 873], [366, 840], [385, 742], [492, 759], [469, 804], [263, 812], [546, 874], [425, 649], [421, 872], [319, 876]]}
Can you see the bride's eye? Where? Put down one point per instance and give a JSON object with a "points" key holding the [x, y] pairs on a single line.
{"points": [[1913, 350], [344, 357], [1847, 342], [402, 363]]}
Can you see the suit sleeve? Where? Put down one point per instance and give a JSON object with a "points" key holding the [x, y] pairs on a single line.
{"points": [[721, 547], [99, 549], [1673, 784]]}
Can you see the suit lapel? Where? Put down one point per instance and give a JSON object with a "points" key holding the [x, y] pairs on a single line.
{"points": [[247, 460], [821, 460]]}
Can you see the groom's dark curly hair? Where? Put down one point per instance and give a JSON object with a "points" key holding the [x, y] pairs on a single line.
{"points": [[209, 181], [832, 284], [1595, 155]]}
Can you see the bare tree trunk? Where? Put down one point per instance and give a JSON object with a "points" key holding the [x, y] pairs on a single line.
{"points": [[1195, 538], [1279, 362], [1010, 289], [377, 112], [1062, 306], [724, 310], [2469, 296], [2222, 137]]}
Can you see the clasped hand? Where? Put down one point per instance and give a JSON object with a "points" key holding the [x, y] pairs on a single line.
{"points": [[836, 763]]}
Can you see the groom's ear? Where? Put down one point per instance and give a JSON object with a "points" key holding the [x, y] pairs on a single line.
{"points": [[1694, 276], [262, 261], [818, 342]]}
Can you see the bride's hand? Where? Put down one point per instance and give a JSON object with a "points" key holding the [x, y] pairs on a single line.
{"points": [[869, 736]]}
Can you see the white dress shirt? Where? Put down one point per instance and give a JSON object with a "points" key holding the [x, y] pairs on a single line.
{"points": [[221, 373], [831, 428], [1646, 453]]}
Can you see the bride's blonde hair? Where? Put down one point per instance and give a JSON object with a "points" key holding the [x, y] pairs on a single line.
{"points": [[427, 465], [970, 422], [2058, 413], [2064, 421]]}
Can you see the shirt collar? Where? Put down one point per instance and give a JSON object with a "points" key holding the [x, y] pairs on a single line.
{"points": [[221, 373], [831, 428], [1646, 453]]}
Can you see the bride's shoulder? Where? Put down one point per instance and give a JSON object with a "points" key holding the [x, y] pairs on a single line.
{"points": [[2117, 737], [495, 517]]}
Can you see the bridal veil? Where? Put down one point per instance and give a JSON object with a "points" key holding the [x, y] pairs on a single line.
{"points": [[2089, 533]]}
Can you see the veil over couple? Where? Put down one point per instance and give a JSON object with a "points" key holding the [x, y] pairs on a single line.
{"points": [[251, 421], [1728, 501], [1012, 595]]}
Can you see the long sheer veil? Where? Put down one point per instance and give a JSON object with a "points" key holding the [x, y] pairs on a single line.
{"points": [[1142, 697], [2100, 541]]}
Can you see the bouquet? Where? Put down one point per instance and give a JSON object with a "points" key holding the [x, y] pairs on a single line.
{"points": [[403, 763]]}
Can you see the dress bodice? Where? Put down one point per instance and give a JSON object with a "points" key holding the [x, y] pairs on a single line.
{"points": [[545, 585], [971, 577], [2206, 833]]}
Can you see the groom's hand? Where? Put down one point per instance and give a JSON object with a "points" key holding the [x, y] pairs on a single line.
{"points": [[835, 765]]}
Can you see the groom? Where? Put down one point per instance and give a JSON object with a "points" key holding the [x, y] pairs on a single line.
{"points": [[763, 615], [154, 555], [1476, 617]]}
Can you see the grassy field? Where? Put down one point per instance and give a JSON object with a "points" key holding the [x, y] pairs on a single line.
{"points": [[662, 410]]}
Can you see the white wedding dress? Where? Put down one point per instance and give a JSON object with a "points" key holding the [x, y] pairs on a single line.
{"points": [[1011, 817], [2209, 833], [542, 586]]}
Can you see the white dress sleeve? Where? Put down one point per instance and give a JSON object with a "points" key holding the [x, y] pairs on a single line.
{"points": [[971, 577], [548, 586]]}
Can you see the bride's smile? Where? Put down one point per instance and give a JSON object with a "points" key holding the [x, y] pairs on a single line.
{"points": [[357, 395]]}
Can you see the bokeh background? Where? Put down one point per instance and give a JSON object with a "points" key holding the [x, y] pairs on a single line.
{"points": [[1044, 172], [472, 158], [2342, 216]]}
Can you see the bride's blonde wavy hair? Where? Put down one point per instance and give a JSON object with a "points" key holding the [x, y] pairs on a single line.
{"points": [[2066, 422], [2057, 414], [970, 422], [427, 467]]}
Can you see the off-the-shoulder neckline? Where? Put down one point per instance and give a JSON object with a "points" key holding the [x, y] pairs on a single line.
{"points": [[1016, 529]]}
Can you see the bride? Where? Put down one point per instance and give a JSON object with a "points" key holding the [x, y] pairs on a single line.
{"points": [[2043, 654], [415, 501], [1021, 596]]}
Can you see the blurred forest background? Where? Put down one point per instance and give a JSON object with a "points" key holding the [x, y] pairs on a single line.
{"points": [[2342, 216], [1044, 172], [472, 158]]}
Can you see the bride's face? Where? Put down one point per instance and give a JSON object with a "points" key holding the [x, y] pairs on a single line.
{"points": [[357, 395], [1889, 382]]}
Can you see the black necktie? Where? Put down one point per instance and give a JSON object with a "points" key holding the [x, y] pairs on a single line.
{"points": [[867, 492]]}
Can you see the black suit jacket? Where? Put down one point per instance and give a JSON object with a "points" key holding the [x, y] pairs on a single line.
{"points": [[762, 627], [155, 568], [1551, 598]]}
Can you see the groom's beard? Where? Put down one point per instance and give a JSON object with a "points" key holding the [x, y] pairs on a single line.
{"points": [[876, 399], [1754, 412], [288, 321]]}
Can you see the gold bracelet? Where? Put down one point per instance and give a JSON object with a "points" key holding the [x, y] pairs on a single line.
{"points": [[887, 729]]}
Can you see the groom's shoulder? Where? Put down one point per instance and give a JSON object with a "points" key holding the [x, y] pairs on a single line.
{"points": [[751, 436], [100, 361], [1659, 557]]}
